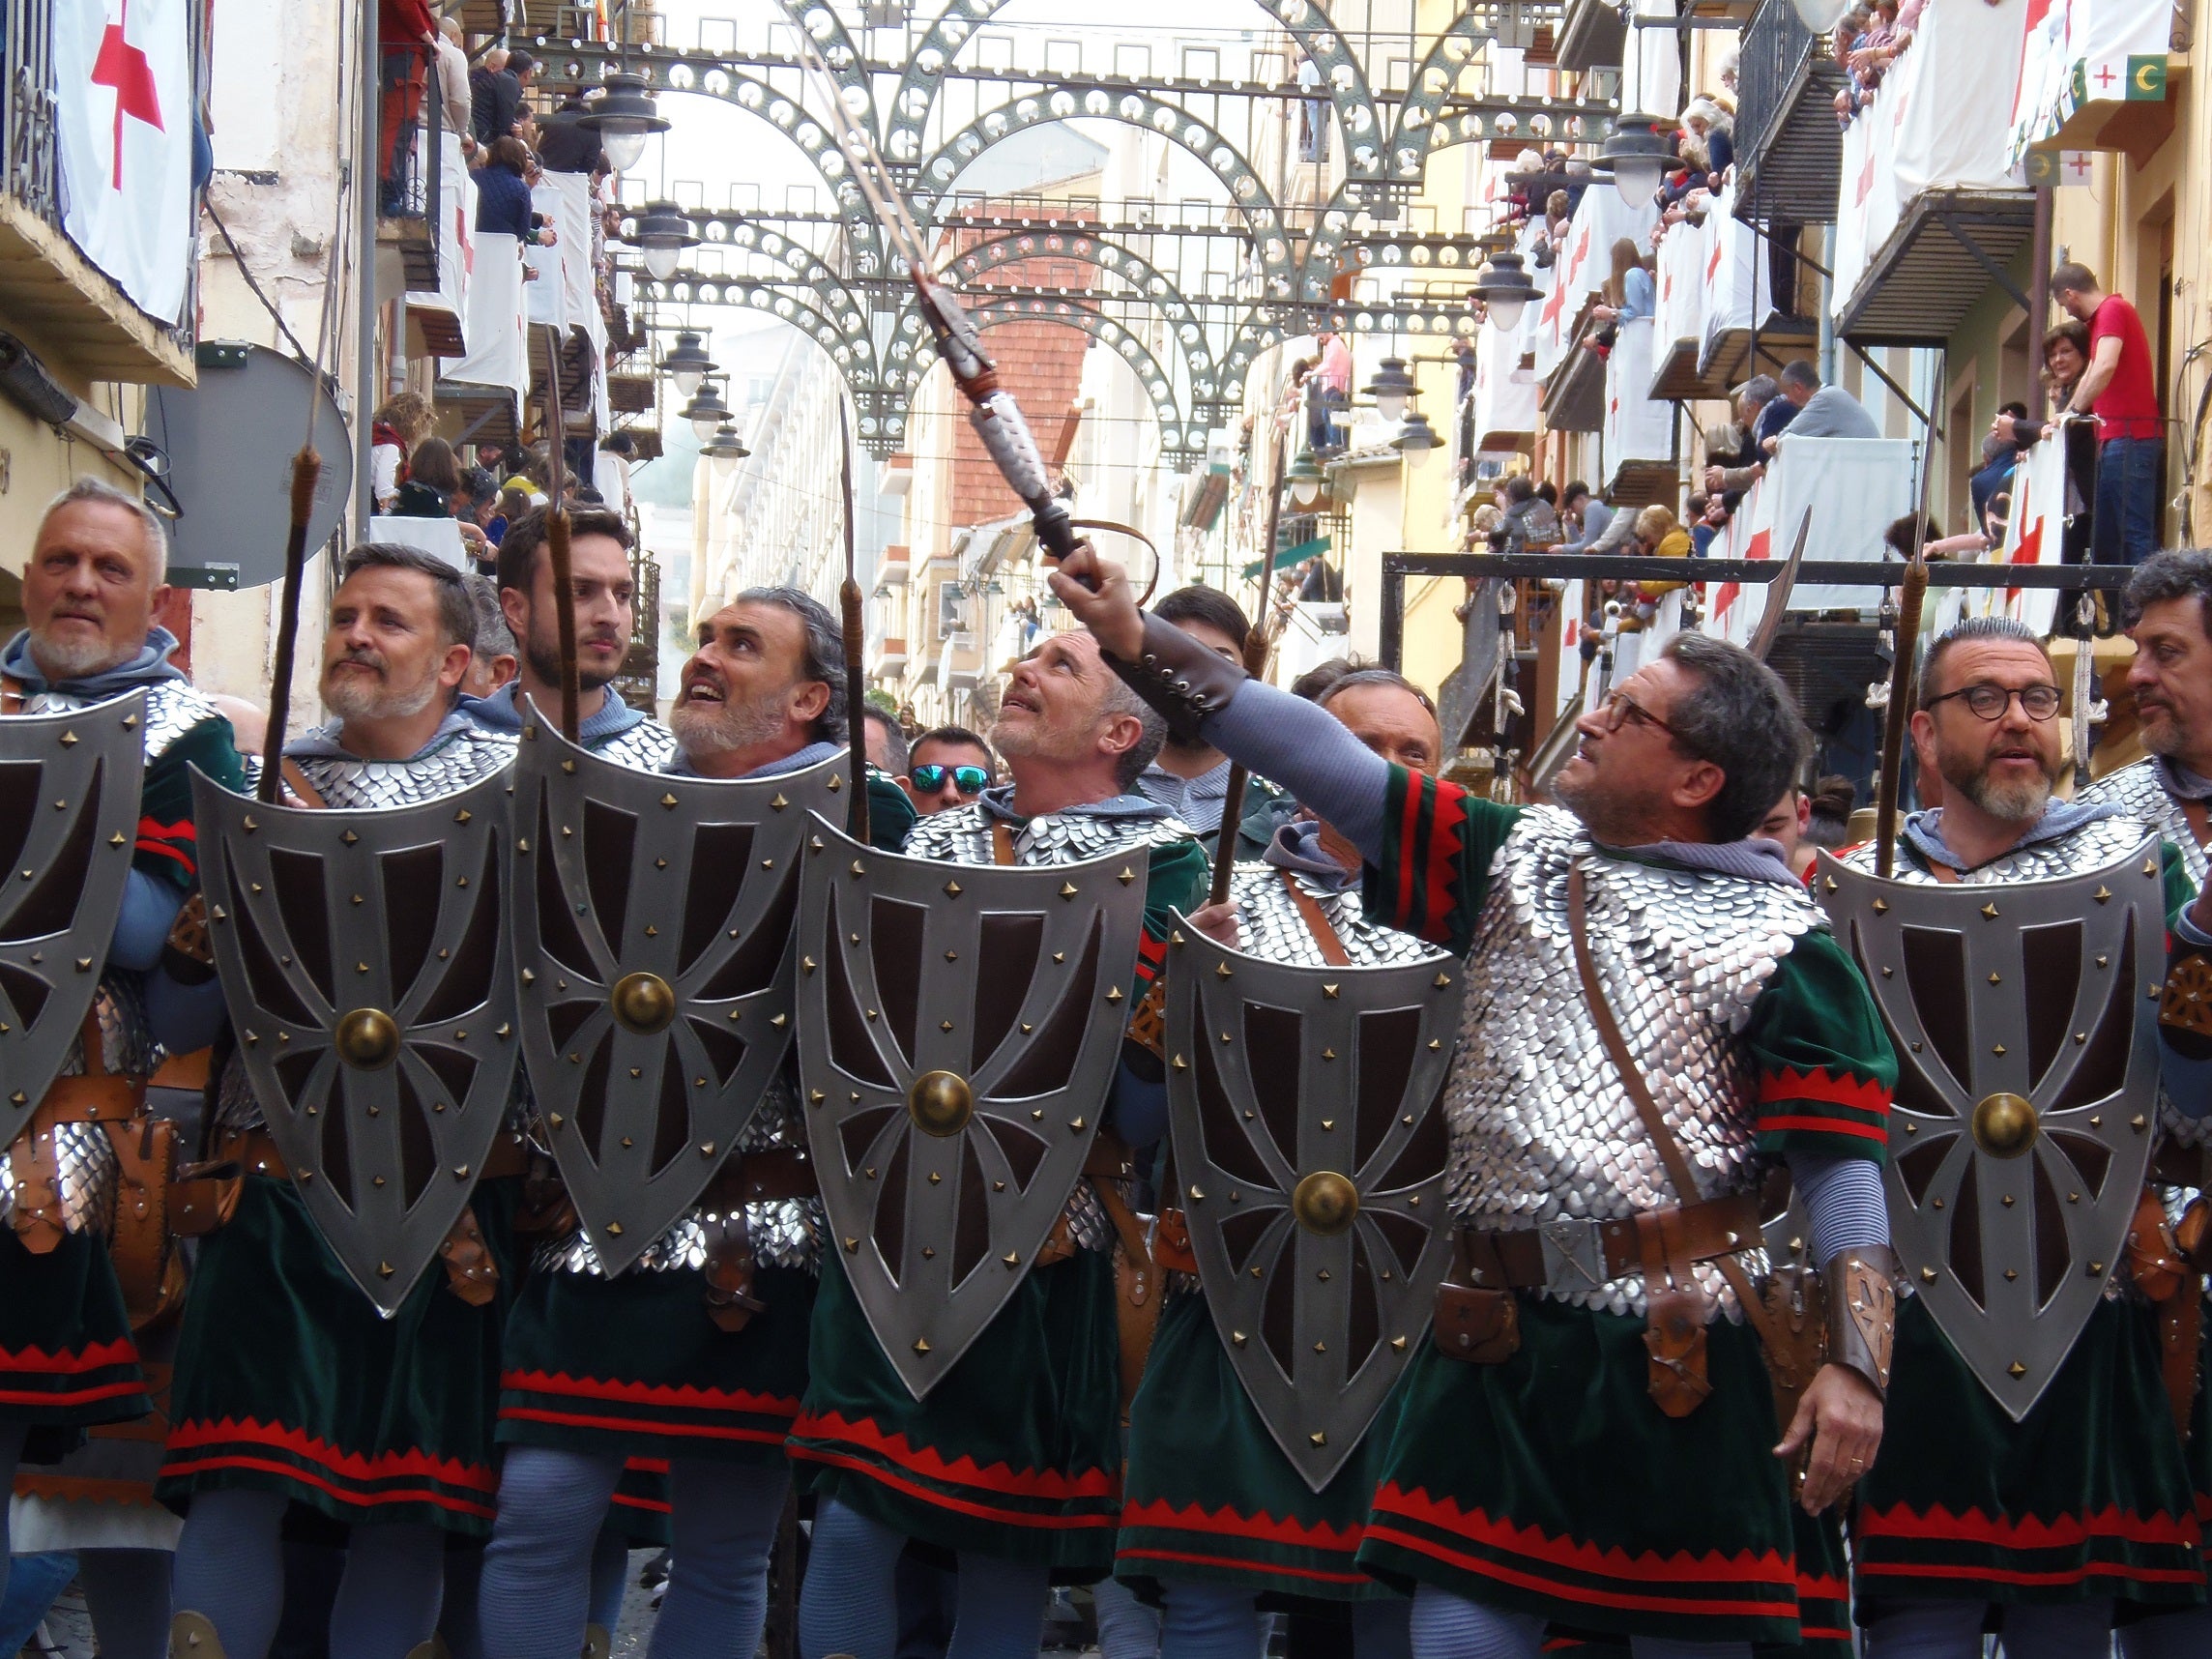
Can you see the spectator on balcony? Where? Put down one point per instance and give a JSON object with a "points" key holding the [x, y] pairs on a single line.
{"points": [[432, 478], [1320, 583], [1823, 411], [1557, 216], [453, 89], [1878, 47], [393, 431], [1529, 520], [405, 33], [1713, 129], [563, 146], [1842, 44], [2119, 389], [1463, 354], [1330, 387], [1583, 517], [1709, 517], [488, 85], [1629, 291], [1660, 536], [503, 196]]}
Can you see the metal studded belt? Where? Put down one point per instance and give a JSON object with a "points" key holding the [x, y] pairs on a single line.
{"points": [[1569, 1257]]}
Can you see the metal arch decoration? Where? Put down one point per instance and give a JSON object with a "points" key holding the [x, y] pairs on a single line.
{"points": [[733, 232], [1247, 193], [66, 822], [1344, 83], [1106, 254], [1178, 434], [758, 293]]}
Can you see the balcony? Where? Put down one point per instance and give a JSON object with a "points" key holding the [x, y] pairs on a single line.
{"points": [[1593, 36], [1641, 464], [1854, 489], [2094, 77], [52, 293], [1789, 153], [411, 179], [1927, 218], [1574, 396]]}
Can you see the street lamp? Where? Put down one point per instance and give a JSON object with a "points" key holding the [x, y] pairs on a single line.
{"points": [[1504, 288], [623, 116], [725, 445], [661, 231], [1391, 388], [1303, 479], [706, 412], [686, 363], [1821, 15], [1637, 153], [1415, 439]]}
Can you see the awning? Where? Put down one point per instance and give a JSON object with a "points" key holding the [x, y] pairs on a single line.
{"points": [[1289, 556], [1591, 37], [1948, 247], [1574, 397], [1729, 357]]}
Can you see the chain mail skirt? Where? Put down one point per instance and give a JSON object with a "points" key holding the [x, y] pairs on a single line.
{"points": [[2088, 1496], [1553, 1484], [67, 1360], [633, 1367], [1016, 1453], [1210, 1495], [288, 1381]]}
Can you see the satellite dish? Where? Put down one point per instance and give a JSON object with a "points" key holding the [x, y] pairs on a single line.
{"points": [[230, 441]]}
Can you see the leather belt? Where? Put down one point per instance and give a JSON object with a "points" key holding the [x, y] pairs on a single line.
{"points": [[254, 1152], [1571, 1255]]}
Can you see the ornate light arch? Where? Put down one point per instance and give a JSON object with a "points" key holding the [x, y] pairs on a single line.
{"points": [[935, 178]]}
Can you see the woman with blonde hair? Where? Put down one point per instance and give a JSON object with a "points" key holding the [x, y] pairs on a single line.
{"points": [[404, 421]]}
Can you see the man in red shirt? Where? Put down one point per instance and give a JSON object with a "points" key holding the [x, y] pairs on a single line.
{"points": [[2121, 391]]}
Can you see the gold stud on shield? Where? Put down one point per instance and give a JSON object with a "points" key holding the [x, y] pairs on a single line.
{"points": [[941, 1103], [642, 1002], [368, 1039], [1325, 1203], [2006, 1124]]}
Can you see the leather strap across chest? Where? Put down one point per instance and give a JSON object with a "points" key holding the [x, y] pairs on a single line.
{"points": [[1325, 940]]}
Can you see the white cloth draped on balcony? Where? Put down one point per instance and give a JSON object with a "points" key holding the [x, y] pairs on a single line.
{"points": [[2079, 52], [456, 234], [1601, 219], [1940, 120], [494, 321], [1637, 427], [2035, 531], [563, 295], [1855, 489]]}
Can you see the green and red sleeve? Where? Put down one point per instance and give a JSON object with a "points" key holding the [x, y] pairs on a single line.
{"points": [[167, 847], [1176, 878], [1439, 842], [1826, 1066]]}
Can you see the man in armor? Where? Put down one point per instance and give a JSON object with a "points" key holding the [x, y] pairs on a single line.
{"points": [[2044, 1521], [296, 1400], [1214, 1517], [2166, 608], [1648, 997], [696, 1354], [605, 593], [1011, 1463], [91, 588]]}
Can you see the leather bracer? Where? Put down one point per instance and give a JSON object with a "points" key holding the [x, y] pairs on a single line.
{"points": [[1861, 1292], [1180, 678]]}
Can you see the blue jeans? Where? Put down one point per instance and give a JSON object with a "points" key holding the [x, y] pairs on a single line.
{"points": [[2124, 530]]}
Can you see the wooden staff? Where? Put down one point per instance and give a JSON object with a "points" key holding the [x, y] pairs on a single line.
{"points": [[307, 473], [1896, 727], [855, 646], [1257, 643], [557, 546]]}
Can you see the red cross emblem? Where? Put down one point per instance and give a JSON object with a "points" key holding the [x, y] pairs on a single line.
{"points": [[1865, 180], [1713, 265], [123, 67], [2104, 79]]}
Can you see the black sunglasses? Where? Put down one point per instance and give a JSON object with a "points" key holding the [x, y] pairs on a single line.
{"points": [[967, 779]]}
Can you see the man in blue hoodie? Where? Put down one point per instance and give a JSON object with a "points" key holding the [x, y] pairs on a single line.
{"points": [[91, 589], [605, 593]]}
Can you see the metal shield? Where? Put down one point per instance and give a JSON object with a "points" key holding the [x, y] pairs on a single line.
{"points": [[363, 956], [68, 809], [1309, 1151], [958, 1030], [2024, 1016], [652, 921]]}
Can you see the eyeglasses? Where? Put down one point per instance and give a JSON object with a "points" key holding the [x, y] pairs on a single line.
{"points": [[1989, 702], [967, 779], [1619, 707]]}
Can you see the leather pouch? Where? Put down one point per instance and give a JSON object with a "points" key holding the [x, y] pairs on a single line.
{"points": [[1483, 1327], [2193, 1234], [471, 1274], [2154, 1259], [204, 1197], [1679, 1377], [1793, 1337]]}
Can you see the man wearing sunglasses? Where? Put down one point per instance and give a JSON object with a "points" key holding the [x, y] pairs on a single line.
{"points": [[1968, 1518], [1590, 1404], [947, 768]]}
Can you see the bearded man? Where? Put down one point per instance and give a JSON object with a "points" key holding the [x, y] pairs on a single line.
{"points": [[293, 1392], [1011, 1463], [1654, 1010], [603, 1371], [605, 595], [2045, 1525], [92, 586]]}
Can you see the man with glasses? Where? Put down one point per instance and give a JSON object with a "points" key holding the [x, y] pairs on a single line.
{"points": [[2048, 1521], [947, 767], [1587, 1438]]}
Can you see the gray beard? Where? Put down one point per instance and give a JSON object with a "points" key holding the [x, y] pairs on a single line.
{"points": [[2012, 803], [60, 659], [350, 699], [722, 728]]}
